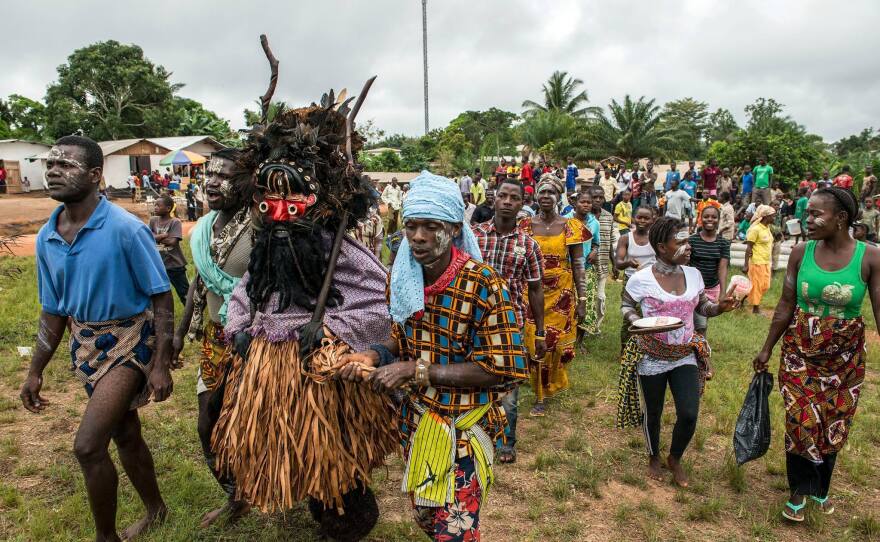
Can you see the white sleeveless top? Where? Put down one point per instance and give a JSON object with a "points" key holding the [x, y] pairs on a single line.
{"points": [[644, 254]]}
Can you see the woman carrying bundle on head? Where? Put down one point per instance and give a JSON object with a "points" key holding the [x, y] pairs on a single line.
{"points": [[822, 366], [667, 352]]}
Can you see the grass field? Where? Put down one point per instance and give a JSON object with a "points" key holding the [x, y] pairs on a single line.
{"points": [[577, 477]]}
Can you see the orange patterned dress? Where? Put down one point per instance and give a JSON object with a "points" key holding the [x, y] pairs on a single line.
{"points": [[560, 324]]}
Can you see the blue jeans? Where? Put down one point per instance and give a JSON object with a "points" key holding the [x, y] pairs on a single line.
{"points": [[509, 402]]}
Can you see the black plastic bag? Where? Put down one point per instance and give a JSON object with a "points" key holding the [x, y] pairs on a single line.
{"points": [[751, 438]]}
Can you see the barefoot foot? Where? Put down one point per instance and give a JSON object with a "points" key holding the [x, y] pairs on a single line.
{"points": [[655, 468], [151, 519], [679, 476], [234, 510]]}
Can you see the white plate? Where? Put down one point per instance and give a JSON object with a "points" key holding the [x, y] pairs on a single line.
{"points": [[656, 321]]}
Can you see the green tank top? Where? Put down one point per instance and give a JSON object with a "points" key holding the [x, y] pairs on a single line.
{"points": [[831, 293]]}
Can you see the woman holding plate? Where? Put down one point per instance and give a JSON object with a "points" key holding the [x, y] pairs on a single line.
{"points": [[665, 350]]}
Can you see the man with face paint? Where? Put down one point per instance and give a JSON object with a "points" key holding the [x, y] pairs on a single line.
{"points": [[676, 357], [455, 342], [310, 294], [221, 247], [120, 328]]}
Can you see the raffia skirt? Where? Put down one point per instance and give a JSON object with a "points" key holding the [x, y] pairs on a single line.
{"points": [[285, 434]]}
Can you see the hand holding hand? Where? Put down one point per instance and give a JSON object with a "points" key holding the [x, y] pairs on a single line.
{"points": [[391, 377], [352, 369]]}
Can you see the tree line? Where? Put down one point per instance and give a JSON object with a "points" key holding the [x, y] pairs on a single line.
{"points": [[110, 90]]}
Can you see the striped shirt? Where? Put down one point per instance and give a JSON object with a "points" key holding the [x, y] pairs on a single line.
{"points": [[608, 237], [705, 257]]}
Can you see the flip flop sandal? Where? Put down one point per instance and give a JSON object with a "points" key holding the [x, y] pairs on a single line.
{"points": [[791, 510], [827, 510], [538, 411]]}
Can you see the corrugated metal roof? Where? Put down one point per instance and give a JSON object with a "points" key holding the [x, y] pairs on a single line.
{"points": [[23, 141], [181, 142]]}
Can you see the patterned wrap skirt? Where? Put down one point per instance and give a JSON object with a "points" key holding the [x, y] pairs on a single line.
{"points": [[98, 347], [820, 378]]}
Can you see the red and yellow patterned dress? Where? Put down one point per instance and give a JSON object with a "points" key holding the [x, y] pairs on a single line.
{"points": [[560, 324]]}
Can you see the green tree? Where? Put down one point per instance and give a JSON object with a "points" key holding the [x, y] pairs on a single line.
{"points": [[765, 117], [721, 126], [561, 94], [688, 118], [791, 153], [633, 130], [487, 132], [107, 90], [865, 141], [23, 118]]}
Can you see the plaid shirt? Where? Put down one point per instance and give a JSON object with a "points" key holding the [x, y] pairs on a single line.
{"points": [[473, 320], [515, 256]]}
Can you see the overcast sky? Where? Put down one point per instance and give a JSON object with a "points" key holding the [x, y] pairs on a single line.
{"points": [[819, 58]]}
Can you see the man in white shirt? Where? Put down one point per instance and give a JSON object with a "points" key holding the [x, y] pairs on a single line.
{"points": [[677, 202], [392, 196], [464, 185]]}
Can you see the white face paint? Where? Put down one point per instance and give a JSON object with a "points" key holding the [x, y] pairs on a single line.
{"points": [[225, 189], [680, 252], [820, 222], [214, 166]]}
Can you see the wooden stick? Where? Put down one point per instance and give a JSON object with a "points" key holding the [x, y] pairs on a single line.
{"points": [[349, 120], [266, 99]]}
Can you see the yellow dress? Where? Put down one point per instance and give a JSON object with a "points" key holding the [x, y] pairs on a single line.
{"points": [[560, 327]]}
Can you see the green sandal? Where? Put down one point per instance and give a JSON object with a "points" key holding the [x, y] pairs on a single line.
{"points": [[794, 510], [827, 510]]}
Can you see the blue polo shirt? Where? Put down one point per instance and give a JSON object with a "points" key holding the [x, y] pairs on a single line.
{"points": [[109, 272]]}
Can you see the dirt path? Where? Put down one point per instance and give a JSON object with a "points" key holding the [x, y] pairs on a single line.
{"points": [[24, 215]]}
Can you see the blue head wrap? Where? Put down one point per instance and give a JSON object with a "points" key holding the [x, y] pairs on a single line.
{"points": [[437, 198]]}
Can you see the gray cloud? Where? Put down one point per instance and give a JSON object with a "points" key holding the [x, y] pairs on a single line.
{"points": [[816, 57]]}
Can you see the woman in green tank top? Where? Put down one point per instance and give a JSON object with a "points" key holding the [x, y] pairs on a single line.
{"points": [[819, 321]]}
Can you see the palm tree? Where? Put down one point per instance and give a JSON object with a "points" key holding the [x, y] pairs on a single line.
{"points": [[560, 94], [632, 130]]}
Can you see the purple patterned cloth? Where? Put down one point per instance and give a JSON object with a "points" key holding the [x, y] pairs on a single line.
{"points": [[360, 321]]}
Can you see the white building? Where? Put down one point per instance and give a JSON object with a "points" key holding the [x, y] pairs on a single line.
{"points": [[123, 156], [14, 154]]}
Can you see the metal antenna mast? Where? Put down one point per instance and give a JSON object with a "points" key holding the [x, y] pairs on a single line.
{"points": [[425, 55]]}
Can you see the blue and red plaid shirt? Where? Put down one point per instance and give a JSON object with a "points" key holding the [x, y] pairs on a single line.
{"points": [[516, 257]]}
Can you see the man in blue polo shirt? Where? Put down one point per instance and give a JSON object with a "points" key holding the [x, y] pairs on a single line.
{"points": [[98, 267]]}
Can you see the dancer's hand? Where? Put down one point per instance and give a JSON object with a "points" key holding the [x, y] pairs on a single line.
{"points": [[760, 362], [581, 309], [391, 377], [352, 370], [30, 394], [160, 383], [176, 349], [242, 343], [540, 347], [728, 304]]}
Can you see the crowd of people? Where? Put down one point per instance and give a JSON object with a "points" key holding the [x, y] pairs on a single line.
{"points": [[418, 328]]}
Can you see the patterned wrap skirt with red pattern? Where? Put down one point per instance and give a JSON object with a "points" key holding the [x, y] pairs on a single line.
{"points": [[820, 378]]}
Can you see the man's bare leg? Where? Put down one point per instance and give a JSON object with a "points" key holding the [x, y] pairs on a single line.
{"points": [[138, 464], [233, 509], [105, 410]]}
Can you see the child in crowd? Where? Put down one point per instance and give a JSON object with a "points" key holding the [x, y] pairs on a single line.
{"points": [[623, 212], [168, 233]]}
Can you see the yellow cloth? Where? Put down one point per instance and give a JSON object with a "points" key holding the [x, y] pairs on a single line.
{"points": [[762, 237], [623, 213], [478, 193], [760, 276], [559, 307], [428, 473]]}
